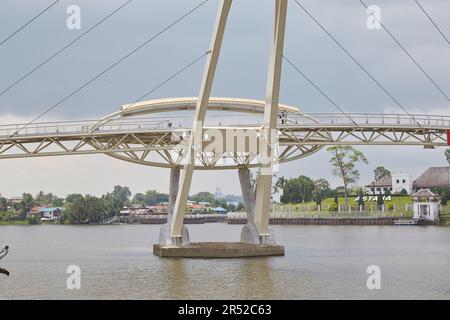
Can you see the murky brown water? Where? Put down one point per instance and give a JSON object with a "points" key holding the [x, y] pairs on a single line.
{"points": [[326, 262]]}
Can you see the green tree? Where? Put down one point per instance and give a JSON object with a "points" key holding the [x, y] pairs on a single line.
{"points": [[45, 199], [25, 205], [139, 198], [381, 172], [75, 209], [380, 201], [344, 160], [220, 203], [58, 202], [3, 204], [361, 200], [150, 198], [231, 207], [321, 190], [279, 185], [94, 208], [121, 194], [444, 199], [298, 190], [111, 206], [40, 198], [203, 197]]}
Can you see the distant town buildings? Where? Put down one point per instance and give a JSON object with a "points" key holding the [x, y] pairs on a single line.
{"points": [[14, 200], [162, 209], [435, 177], [45, 213], [218, 194]]}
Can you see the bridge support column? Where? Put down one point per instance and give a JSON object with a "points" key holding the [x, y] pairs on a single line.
{"points": [[249, 233], [196, 138], [264, 183], [164, 233]]}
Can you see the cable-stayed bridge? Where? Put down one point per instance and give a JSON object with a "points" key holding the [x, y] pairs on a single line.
{"points": [[178, 133], [149, 133]]}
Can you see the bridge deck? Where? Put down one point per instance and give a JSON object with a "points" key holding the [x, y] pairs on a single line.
{"points": [[156, 141], [293, 121]]}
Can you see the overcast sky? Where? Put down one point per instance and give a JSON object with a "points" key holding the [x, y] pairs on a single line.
{"points": [[241, 73]]}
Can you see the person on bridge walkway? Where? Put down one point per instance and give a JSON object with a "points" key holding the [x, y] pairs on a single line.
{"points": [[283, 117]]}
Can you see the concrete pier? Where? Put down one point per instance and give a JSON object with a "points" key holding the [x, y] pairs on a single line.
{"points": [[218, 250]]}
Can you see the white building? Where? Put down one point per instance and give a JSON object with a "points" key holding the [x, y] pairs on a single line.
{"points": [[395, 184], [400, 181], [427, 206]]}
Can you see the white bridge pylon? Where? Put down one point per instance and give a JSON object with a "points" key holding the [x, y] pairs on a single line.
{"points": [[141, 133]]}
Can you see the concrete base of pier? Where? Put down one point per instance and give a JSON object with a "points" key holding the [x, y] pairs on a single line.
{"points": [[218, 250]]}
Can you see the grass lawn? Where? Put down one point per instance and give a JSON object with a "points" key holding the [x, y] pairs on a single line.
{"points": [[403, 207], [398, 205], [396, 200]]}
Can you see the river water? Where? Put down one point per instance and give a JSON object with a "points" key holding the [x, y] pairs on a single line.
{"points": [[321, 262]]}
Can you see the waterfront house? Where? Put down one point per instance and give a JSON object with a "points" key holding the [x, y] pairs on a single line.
{"points": [[14, 200], [45, 213], [197, 208], [205, 203], [160, 208], [50, 214]]}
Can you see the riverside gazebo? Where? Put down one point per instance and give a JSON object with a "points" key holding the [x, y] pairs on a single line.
{"points": [[427, 206]]}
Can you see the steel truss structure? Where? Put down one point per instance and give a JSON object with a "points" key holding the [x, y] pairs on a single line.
{"points": [[159, 142]]}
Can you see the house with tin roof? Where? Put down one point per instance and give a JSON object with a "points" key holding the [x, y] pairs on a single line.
{"points": [[45, 213]]}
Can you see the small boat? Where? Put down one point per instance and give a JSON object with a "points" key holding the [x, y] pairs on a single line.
{"points": [[405, 222]]}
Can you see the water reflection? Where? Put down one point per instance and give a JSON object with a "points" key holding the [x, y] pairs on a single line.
{"points": [[176, 278], [255, 278]]}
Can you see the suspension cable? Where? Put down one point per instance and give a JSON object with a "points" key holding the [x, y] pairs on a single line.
{"points": [[296, 68], [190, 64], [359, 64], [408, 54], [62, 49], [29, 22], [87, 83], [432, 21]]}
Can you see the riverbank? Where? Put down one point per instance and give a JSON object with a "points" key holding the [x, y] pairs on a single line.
{"points": [[240, 219], [323, 221]]}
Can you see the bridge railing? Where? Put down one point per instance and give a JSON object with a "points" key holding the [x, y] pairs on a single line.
{"points": [[51, 128], [161, 122], [365, 119]]}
